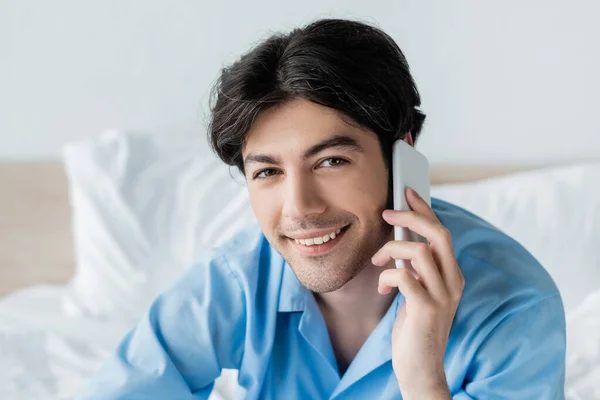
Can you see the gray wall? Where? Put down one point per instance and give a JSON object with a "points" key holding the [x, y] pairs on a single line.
{"points": [[511, 82]]}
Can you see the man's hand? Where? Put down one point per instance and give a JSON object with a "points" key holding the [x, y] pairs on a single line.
{"points": [[420, 333]]}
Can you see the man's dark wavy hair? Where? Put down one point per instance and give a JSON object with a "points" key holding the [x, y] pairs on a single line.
{"points": [[346, 65]]}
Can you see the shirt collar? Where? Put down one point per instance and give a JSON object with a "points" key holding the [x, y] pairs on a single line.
{"points": [[376, 351]]}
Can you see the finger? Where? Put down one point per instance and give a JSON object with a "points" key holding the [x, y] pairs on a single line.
{"points": [[430, 229], [406, 284], [438, 236], [452, 274], [419, 205], [421, 259]]}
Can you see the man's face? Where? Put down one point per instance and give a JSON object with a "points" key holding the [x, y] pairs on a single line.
{"points": [[310, 174]]}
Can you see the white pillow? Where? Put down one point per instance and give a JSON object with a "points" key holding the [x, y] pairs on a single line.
{"points": [[583, 350], [143, 207], [554, 213]]}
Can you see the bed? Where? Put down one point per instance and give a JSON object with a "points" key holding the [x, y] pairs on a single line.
{"points": [[62, 266]]}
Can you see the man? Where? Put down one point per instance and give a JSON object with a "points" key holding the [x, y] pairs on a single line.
{"points": [[309, 305]]}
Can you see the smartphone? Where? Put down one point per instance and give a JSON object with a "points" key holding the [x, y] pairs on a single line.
{"points": [[409, 169]]}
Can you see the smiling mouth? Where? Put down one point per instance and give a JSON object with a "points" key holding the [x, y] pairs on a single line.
{"points": [[321, 242]]}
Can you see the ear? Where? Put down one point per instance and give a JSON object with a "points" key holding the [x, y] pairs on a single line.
{"points": [[408, 139]]}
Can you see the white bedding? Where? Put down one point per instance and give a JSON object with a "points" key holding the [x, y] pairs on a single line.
{"points": [[132, 239], [45, 354], [583, 350]]}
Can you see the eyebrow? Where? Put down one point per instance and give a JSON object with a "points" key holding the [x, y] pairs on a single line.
{"points": [[340, 142]]}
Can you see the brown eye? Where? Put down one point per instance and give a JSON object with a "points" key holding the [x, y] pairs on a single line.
{"points": [[263, 174], [334, 162]]}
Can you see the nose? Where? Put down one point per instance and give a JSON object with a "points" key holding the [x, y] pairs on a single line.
{"points": [[302, 197]]}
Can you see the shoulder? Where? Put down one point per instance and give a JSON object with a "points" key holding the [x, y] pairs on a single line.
{"points": [[485, 252], [501, 277], [508, 296]]}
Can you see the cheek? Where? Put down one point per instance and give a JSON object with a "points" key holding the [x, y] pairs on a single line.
{"points": [[367, 191]]}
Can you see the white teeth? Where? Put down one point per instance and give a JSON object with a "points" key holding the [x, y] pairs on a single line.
{"points": [[318, 240]]}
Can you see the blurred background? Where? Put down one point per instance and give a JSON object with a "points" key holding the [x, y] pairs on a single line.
{"points": [[502, 82], [108, 191]]}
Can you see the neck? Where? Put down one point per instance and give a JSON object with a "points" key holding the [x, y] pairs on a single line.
{"points": [[359, 299], [352, 312]]}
